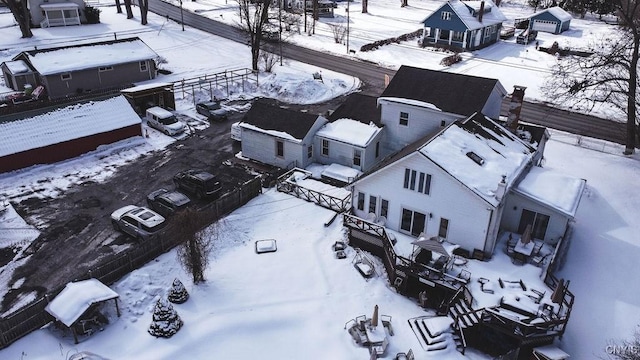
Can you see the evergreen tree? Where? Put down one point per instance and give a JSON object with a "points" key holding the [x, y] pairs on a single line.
{"points": [[178, 293], [166, 321]]}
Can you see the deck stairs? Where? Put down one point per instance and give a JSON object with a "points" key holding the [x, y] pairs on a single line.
{"points": [[464, 317], [431, 339]]}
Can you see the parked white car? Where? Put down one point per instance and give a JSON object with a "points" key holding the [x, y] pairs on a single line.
{"points": [[164, 120]]}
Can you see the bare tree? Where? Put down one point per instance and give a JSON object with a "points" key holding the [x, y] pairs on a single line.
{"points": [[339, 32], [193, 253], [269, 59], [609, 76], [365, 6], [118, 7], [127, 7], [144, 9], [21, 13], [404, 3], [253, 15]]}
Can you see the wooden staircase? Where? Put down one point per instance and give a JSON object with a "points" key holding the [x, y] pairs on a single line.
{"points": [[430, 340], [464, 317]]}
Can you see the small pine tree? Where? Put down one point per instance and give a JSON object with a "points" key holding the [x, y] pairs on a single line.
{"points": [[166, 321], [178, 293]]}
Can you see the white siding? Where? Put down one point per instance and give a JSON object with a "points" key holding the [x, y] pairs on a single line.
{"points": [[262, 147], [513, 210], [468, 215], [342, 153], [494, 103], [422, 121]]}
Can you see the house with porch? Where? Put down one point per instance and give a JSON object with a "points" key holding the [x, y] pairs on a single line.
{"points": [[277, 136], [465, 185], [466, 25], [46, 13], [419, 102], [76, 69]]}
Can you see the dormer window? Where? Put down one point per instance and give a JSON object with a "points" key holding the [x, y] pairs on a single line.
{"points": [[475, 157]]}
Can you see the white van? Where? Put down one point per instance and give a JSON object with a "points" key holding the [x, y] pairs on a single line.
{"points": [[164, 121]]}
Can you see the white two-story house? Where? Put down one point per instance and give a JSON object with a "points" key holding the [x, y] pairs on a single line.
{"points": [[419, 102], [458, 186]]}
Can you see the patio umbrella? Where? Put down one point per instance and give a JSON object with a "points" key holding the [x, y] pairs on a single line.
{"points": [[374, 318]]}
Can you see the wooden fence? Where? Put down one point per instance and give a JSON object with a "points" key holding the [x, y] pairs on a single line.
{"points": [[33, 316]]}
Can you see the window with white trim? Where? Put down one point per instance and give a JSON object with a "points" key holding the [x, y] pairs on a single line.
{"points": [[444, 228], [384, 207], [143, 66], [325, 147], [357, 157], [279, 148], [309, 151], [417, 181], [65, 76], [445, 15], [373, 204], [105, 68], [404, 118], [360, 201]]}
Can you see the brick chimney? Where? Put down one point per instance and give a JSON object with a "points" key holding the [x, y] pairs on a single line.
{"points": [[481, 11], [514, 107]]}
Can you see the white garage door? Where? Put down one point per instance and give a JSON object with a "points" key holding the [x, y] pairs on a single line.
{"points": [[544, 25]]}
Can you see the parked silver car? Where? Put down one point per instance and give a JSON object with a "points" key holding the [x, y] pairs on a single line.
{"points": [[137, 221]]}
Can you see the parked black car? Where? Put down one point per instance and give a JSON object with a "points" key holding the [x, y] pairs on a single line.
{"points": [[167, 203], [199, 183], [212, 110]]}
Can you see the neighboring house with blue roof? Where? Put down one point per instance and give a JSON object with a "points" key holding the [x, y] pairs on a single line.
{"points": [[469, 25], [552, 20]]}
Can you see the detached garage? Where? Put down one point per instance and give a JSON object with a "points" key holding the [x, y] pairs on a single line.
{"points": [[552, 20], [66, 132]]}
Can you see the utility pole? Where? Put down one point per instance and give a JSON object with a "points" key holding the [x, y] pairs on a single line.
{"points": [[280, 24], [181, 16], [305, 15], [348, 1]]}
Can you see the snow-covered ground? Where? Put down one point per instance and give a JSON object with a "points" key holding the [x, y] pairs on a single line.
{"points": [[295, 302]]}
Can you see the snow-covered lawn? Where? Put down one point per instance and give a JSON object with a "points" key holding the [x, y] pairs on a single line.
{"points": [[294, 303]]}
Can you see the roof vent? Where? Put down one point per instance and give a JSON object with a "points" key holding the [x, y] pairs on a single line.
{"points": [[475, 157]]}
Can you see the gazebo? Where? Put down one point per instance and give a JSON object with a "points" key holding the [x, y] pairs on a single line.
{"points": [[72, 306]]}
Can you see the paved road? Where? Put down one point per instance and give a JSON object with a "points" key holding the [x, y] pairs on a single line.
{"points": [[372, 77]]}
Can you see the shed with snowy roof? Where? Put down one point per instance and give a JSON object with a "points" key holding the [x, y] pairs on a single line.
{"points": [[468, 25], [84, 68], [66, 132]]}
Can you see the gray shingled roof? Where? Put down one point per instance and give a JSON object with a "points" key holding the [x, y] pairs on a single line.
{"points": [[452, 93], [272, 117], [359, 107]]}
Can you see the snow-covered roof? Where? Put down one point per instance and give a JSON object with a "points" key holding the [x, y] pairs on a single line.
{"points": [[76, 298], [560, 191], [89, 56], [71, 122], [60, 6], [147, 86], [413, 102], [341, 173], [277, 133], [492, 14], [557, 12], [17, 66], [349, 131], [478, 152]]}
